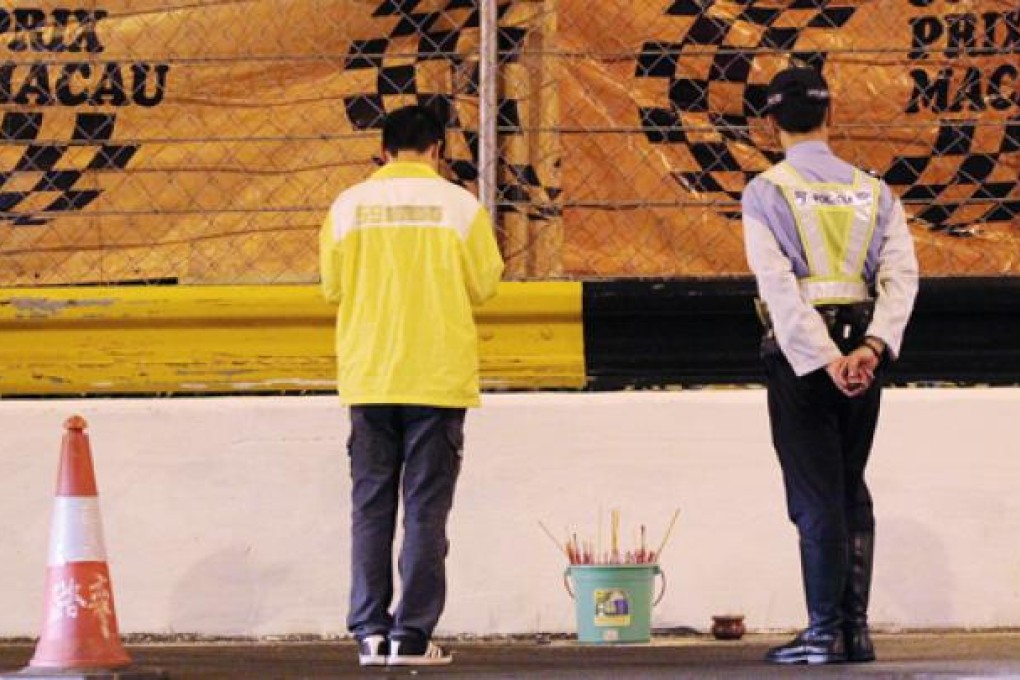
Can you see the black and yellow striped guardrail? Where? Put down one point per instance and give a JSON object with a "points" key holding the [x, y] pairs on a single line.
{"points": [[153, 340]]}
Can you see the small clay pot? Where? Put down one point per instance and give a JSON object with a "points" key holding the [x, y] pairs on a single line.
{"points": [[728, 627]]}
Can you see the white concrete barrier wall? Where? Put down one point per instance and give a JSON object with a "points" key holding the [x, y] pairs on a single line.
{"points": [[229, 516]]}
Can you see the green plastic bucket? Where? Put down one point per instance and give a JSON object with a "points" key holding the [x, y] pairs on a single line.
{"points": [[613, 602]]}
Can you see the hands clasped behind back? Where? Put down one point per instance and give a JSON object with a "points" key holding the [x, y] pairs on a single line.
{"points": [[854, 373]]}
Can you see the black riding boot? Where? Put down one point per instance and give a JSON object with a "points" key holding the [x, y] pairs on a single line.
{"points": [[824, 567], [859, 647]]}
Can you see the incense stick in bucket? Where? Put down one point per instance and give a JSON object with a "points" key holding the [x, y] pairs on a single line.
{"points": [[669, 530]]}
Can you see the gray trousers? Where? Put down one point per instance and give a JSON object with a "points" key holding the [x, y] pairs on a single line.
{"points": [[413, 452]]}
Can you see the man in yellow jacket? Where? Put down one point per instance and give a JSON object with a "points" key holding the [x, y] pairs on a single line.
{"points": [[405, 254]]}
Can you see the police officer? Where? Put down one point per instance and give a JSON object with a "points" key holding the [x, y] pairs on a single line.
{"points": [[837, 276]]}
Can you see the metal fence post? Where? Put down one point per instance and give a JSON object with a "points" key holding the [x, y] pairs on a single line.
{"points": [[488, 105]]}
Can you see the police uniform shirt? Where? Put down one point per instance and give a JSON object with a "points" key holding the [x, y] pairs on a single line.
{"points": [[777, 259]]}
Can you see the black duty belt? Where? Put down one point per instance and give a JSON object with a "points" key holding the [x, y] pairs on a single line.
{"points": [[841, 320]]}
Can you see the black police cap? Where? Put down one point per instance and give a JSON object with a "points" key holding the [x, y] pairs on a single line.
{"points": [[796, 86]]}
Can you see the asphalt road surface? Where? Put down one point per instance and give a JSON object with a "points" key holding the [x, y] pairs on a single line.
{"points": [[935, 656]]}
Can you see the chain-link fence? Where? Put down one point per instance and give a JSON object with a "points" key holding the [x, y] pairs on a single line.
{"points": [[202, 141], [658, 107]]}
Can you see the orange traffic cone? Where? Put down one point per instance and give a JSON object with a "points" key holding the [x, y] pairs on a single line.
{"points": [[80, 624]]}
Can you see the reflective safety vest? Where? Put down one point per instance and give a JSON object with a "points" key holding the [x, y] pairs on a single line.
{"points": [[836, 223]]}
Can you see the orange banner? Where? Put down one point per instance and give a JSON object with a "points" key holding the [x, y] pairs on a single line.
{"points": [[201, 142]]}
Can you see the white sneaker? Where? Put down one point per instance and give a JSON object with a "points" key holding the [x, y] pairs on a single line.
{"points": [[412, 653], [373, 650]]}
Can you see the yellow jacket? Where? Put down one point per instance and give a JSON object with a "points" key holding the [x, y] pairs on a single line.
{"points": [[406, 254]]}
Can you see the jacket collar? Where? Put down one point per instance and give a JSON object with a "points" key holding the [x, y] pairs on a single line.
{"points": [[395, 169]]}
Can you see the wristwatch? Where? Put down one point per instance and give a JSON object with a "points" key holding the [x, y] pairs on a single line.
{"points": [[875, 345]]}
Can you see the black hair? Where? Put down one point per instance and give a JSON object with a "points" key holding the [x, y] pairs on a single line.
{"points": [[798, 100], [411, 128], [801, 115]]}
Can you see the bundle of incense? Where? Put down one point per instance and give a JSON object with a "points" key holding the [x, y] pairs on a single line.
{"points": [[584, 551]]}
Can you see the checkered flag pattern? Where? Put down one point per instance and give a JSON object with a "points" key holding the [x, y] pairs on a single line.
{"points": [[727, 59], [952, 183], [209, 140], [45, 163], [967, 178], [427, 54], [662, 197]]}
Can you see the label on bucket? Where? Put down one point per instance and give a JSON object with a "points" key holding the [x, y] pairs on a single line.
{"points": [[612, 607]]}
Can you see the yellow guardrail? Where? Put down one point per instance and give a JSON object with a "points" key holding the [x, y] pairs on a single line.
{"points": [[249, 339]]}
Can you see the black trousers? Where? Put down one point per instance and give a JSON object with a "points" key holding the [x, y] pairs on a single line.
{"points": [[823, 439], [413, 452]]}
